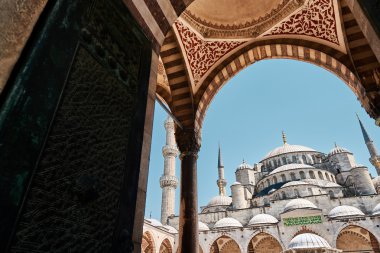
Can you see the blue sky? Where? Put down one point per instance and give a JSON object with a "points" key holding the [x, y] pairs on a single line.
{"points": [[313, 106]]}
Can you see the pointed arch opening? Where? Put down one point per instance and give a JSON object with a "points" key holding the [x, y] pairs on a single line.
{"points": [[225, 244], [147, 245], [357, 239], [166, 246], [264, 243]]}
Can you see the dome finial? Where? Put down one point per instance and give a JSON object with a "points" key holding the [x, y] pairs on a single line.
{"points": [[335, 144], [283, 137]]}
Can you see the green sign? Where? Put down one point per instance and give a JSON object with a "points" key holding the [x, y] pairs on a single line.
{"points": [[302, 220]]}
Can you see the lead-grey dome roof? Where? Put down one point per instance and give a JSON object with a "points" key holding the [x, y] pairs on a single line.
{"points": [[262, 218], [220, 201], [291, 166], [227, 222], [299, 204], [287, 148], [345, 211], [308, 241]]}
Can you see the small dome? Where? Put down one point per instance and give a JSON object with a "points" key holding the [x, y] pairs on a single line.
{"points": [[299, 204], [244, 165], [291, 166], [376, 181], [262, 218], [294, 183], [228, 222], [308, 241], [202, 226], [170, 229], [345, 211], [220, 201], [287, 148], [236, 183], [154, 222], [376, 210], [338, 150]]}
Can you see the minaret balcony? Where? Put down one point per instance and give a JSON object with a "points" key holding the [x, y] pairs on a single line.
{"points": [[168, 181], [170, 150]]}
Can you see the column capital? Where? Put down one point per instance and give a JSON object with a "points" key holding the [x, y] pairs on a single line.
{"points": [[188, 141]]}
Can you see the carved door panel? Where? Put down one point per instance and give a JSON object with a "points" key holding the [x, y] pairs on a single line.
{"points": [[71, 130]]}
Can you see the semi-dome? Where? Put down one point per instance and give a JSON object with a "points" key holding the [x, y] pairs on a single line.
{"points": [[308, 241], [294, 183], [220, 201], [228, 222], [291, 166], [299, 204], [170, 229], [376, 210], [287, 148], [154, 222], [321, 183], [244, 165], [202, 226], [262, 218], [338, 150], [345, 211]]}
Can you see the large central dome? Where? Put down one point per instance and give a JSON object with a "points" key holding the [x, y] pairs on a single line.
{"points": [[287, 148]]}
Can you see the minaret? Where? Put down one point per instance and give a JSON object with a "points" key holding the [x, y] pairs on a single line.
{"points": [[375, 158], [221, 182], [168, 181]]}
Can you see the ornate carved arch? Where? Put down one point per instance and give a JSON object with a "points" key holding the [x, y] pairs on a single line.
{"points": [[277, 51]]}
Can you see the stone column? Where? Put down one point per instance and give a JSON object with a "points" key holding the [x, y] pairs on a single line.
{"points": [[188, 144]]}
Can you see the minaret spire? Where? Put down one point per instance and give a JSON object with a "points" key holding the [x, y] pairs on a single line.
{"points": [[168, 181], [221, 182], [375, 158], [283, 137]]}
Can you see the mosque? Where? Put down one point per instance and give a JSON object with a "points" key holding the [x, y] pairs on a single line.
{"points": [[296, 199]]}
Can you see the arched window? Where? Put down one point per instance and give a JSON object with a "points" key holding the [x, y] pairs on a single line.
{"points": [[283, 195], [293, 176], [320, 175], [302, 175], [311, 174], [304, 159], [267, 182], [314, 159], [283, 178], [294, 159], [333, 178], [331, 194], [296, 193], [284, 160], [274, 180], [326, 176], [275, 163]]}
